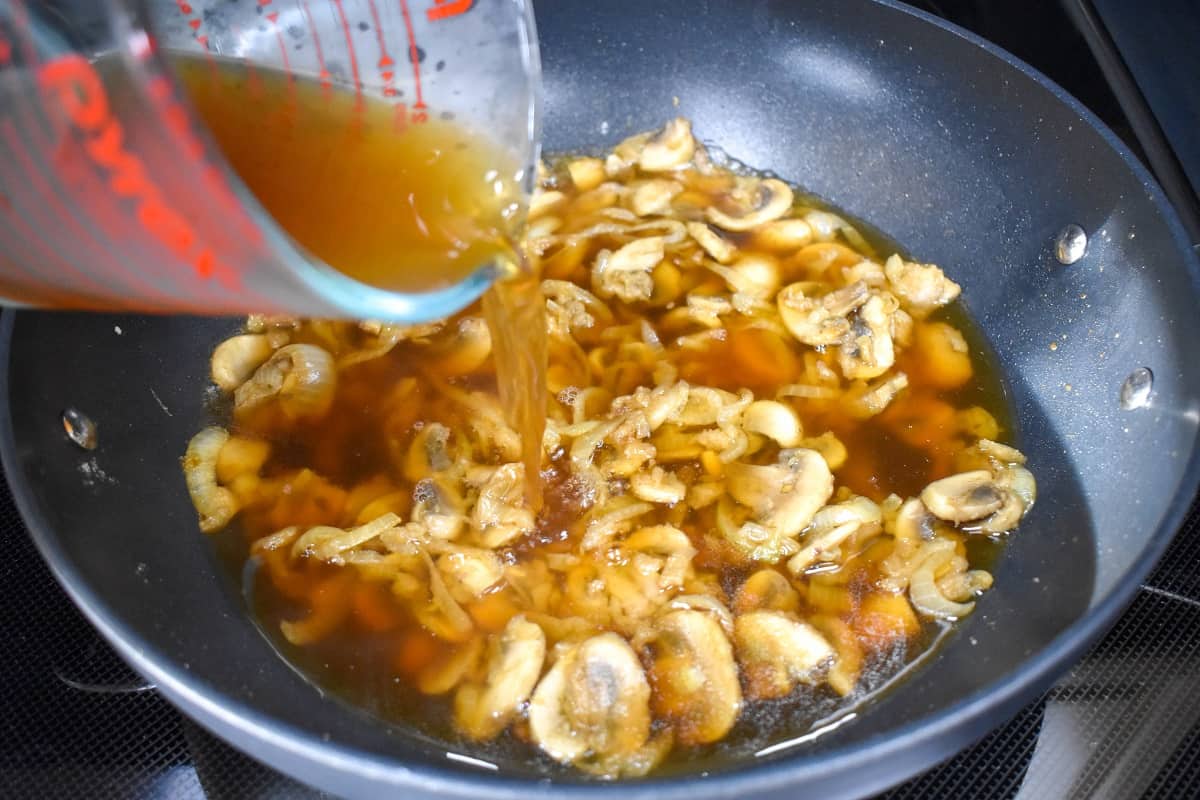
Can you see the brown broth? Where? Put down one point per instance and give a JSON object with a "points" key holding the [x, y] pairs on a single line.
{"points": [[325, 473]]}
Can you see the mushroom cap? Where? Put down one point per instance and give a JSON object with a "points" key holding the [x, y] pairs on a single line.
{"points": [[776, 652], [695, 676], [964, 497], [594, 702], [753, 202]]}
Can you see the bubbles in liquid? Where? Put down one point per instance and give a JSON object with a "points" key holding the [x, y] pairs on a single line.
{"points": [[424, 492], [79, 428]]}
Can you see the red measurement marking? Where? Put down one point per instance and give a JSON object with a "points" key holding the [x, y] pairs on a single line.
{"points": [[324, 75], [444, 9], [95, 248], [273, 18], [414, 57], [194, 23], [385, 59], [77, 87], [64, 154], [176, 118], [37, 225], [350, 46]]}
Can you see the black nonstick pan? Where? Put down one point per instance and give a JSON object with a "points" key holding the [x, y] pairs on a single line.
{"points": [[951, 147]]}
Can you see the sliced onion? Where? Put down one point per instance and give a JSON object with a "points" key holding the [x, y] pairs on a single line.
{"points": [[923, 589], [215, 504], [303, 378]]}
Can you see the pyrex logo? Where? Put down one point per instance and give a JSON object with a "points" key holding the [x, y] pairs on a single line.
{"points": [[78, 90]]}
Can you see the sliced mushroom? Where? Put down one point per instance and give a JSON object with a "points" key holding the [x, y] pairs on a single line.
{"points": [[1020, 481], [464, 352], [441, 615], [513, 666], [783, 498], [706, 310], [383, 338], [766, 590], [474, 569], [302, 378], [921, 287], [830, 447], [965, 497], [593, 703], [773, 420], [783, 235], [1019, 490], [670, 148], [776, 652], [1001, 453], [653, 197], [500, 513], [867, 350], [912, 526], [625, 274], [236, 358], [667, 542], [543, 203], [428, 453], [241, 456], [570, 307], [819, 319], [721, 249], [619, 163], [824, 225], [657, 486], [450, 670], [833, 525], [438, 508], [695, 678], [752, 202], [868, 399], [215, 504], [586, 173], [706, 406], [755, 276], [867, 271], [705, 604]]}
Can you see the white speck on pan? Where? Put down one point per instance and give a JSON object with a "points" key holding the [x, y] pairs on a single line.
{"points": [[161, 404]]}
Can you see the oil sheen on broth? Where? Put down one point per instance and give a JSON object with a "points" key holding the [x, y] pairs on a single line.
{"points": [[759, 430]]}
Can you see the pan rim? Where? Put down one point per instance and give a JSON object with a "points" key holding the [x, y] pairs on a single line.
{"points": [[930, 734]]}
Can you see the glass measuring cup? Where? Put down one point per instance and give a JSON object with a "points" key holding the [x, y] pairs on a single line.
{"points": [[113, 195]]}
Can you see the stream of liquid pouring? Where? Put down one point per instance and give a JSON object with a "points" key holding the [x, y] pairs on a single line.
{"points": [[516, 317], [407, 210]]}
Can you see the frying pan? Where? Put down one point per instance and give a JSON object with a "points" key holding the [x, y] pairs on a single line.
{"points": [[955, 149]]}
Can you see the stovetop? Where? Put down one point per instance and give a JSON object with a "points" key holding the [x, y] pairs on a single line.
{"points": [[76, 722]]}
